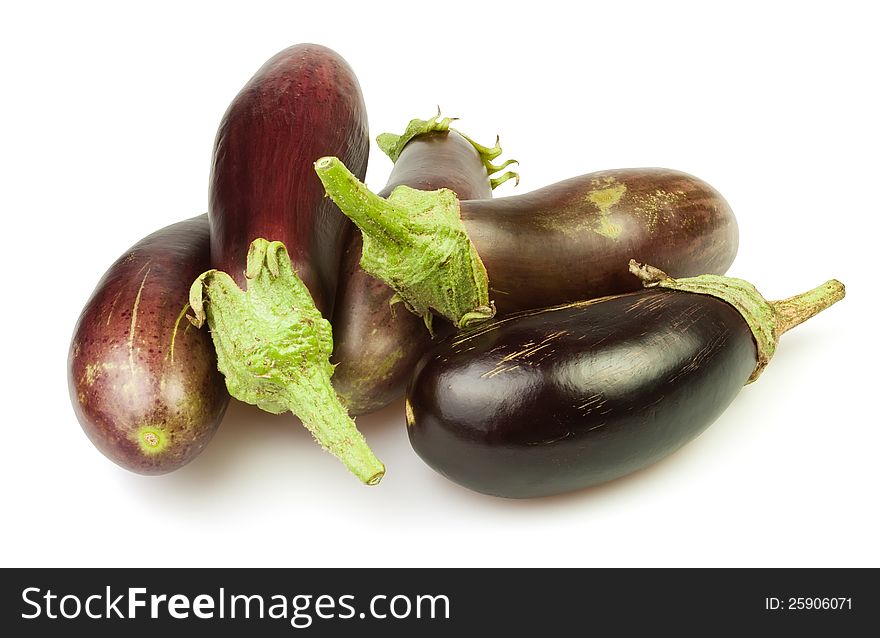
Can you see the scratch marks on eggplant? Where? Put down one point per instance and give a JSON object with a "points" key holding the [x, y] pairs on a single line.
{"points": [[704, 354], [112, 307], [525, 355], [593, 402], [134, 315], [549, 441], [489, 326], [647, 304], [174, 330], [498, 370]]}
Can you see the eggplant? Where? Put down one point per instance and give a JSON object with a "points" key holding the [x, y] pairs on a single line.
{"points": [[144, 385], [465, 259], [303, 103], [376, 345], [559, 399], [268, 213]]}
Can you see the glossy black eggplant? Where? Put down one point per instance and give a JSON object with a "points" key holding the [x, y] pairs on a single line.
{"points": [[558, 399], [377, 344]]}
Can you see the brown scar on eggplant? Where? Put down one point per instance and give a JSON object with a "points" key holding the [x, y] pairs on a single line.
{"points": [[604, 199]]}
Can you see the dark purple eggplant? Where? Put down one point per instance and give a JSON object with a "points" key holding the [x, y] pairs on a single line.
{"points": [[143, 382], [377, 345], [559, 244], [304, 103], [558, 399]]}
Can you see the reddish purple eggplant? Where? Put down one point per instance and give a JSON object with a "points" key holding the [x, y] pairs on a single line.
{"points": [[277, 243], [559, 244], [144, 383], [376, 345], [558, 399], [302, 104]]}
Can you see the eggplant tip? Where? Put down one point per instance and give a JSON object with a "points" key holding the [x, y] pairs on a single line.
{"points": [[376, 478]]}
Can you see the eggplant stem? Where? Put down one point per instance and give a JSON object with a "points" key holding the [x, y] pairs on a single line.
{"points": [[315, 402], [374, 215], [795, 310], [767, 320], [273, 347], [416, 242]]}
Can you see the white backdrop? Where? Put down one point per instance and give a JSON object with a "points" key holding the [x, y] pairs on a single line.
{"points": [[108, 119]]}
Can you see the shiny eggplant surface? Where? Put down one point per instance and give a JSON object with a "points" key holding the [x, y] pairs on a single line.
{"points": [[303, 103], [554, 400]]}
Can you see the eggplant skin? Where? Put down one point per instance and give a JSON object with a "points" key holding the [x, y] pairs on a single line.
{"points": [[573, 240], [377, 345], [560, 399], [302, 104], [143, 381]]}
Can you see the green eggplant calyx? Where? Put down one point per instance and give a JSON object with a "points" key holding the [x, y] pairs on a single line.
{"points": [[273, 346], [392, 145], [767, 320], [416, 243]]}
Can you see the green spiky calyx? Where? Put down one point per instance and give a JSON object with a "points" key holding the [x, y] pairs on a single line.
{"points": [[416, 243], [392, 145], [273, 346], [767, 320]]}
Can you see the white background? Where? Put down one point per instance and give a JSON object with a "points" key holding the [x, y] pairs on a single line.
{"points": [[108, 120]]}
